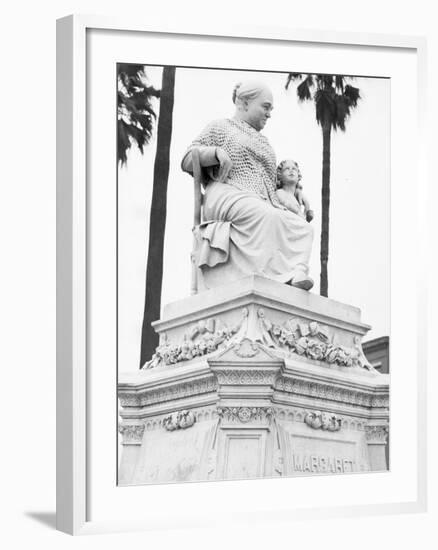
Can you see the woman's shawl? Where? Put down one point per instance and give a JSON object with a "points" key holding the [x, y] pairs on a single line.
{"points": [[254, 163]]}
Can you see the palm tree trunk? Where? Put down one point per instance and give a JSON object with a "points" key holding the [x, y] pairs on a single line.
{"points": [[157, 226], [325, 208]]}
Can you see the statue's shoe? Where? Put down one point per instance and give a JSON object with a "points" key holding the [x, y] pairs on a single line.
{"points": [[302, 281]]}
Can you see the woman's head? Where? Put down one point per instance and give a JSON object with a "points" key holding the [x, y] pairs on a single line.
{"points": [[254, 102], [288, 172]]}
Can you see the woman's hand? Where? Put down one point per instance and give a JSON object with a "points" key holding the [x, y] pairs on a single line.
{"points": [[225, 164]]}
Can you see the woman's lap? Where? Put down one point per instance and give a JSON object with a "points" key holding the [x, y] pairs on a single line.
{"points": [[263, 239]]}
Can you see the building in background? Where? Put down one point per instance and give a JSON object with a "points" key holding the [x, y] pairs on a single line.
{"points": [[377, 353]]}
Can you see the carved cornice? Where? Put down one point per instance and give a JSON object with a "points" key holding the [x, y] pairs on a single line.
{"points": [[380, 401], [285, 386], [132, 433], [331, 392], [252, 377], [377, 434], [151, 396], [179, 420]]}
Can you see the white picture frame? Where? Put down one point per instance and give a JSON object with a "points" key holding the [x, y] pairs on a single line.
{"points": [[74, 395]]}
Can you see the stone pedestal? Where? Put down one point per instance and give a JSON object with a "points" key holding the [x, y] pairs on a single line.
{"points": [[251, 380]]}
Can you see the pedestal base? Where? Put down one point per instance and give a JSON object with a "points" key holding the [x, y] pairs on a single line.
{"points": [[257, 380]]}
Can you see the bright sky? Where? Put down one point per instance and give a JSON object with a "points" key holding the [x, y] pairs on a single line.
{"points": [[359, 256]]}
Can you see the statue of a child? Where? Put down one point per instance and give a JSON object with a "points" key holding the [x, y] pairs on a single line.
{"points": [[290, 189]]}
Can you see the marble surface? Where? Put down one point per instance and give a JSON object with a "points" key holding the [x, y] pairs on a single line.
{"points": [[255, 380]]}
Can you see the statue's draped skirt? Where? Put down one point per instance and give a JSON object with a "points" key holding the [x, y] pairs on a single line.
{"points": [[244, 234]]}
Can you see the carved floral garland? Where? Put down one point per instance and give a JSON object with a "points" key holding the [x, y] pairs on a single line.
{"points": [[324, 421], [204, 337], [179, 420], [310, 340]]}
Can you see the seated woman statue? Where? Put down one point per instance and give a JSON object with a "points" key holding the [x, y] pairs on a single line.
{"points": [[246, 229]]}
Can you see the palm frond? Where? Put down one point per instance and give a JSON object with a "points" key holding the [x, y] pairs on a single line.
{"points": [[328, 81], [342, 112], [339, 83], [291, 77], [123, 141], [319, 78], [353, 94], [303, 91], [135, 110], [310, 81], [325, 106], [333, 97]]}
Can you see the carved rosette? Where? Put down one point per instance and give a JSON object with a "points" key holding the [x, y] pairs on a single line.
{"points": [[324, 421], [246, 349], [377, 434], [179, 420], [245, 414], [132, 434]]}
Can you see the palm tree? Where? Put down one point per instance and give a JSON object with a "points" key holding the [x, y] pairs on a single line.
{"points": [[334, 99], [157, 226], [135, 114], [135, 125]]}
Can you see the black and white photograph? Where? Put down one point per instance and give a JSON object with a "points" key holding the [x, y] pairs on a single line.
{"points": [[218, 275], [253, 273]]}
